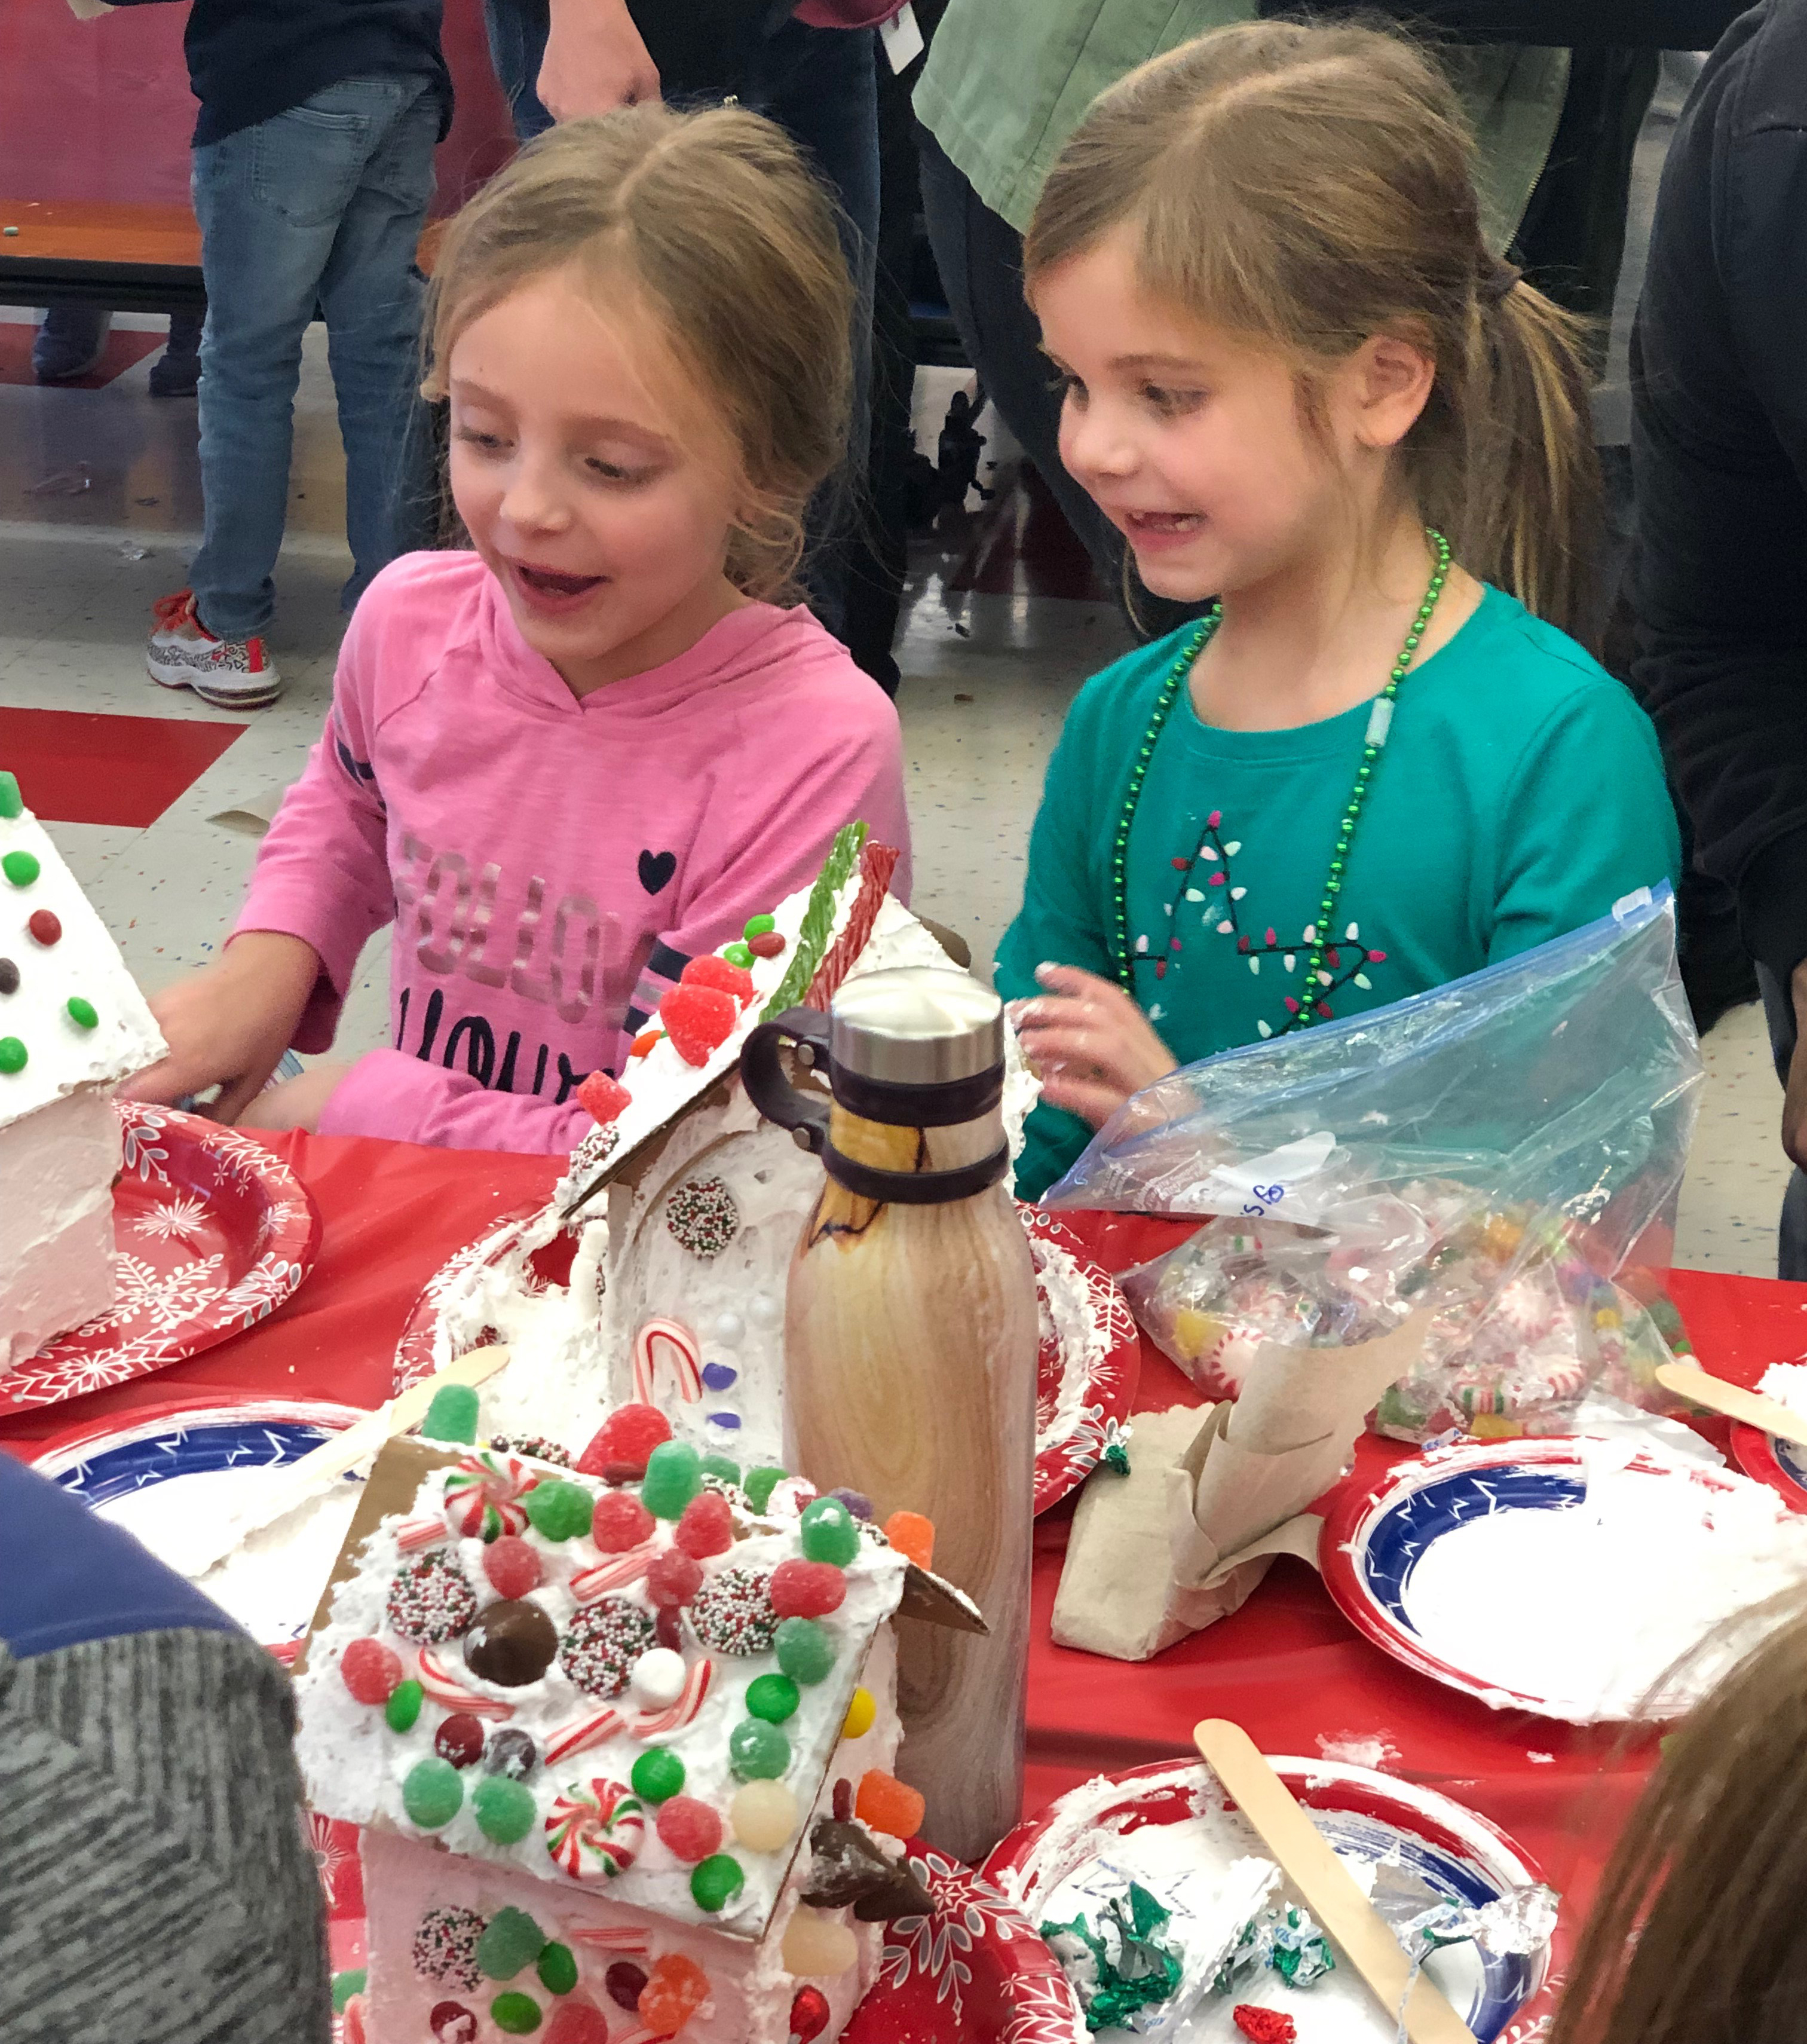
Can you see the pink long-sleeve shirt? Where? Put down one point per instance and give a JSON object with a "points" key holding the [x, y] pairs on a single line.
{"points": [[550, 864]]}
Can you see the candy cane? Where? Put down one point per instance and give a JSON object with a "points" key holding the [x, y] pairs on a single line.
{"points": [[616, 1573], [443, 1690], [414, 1533], [636, 1942], [675, 1341], [587, 1732], [658, 1724]]}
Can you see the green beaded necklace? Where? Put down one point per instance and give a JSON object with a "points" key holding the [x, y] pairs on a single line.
{"points": [[1380, 718]]}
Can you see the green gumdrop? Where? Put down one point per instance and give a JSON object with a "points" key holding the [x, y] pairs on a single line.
{"points": [[674, 1475], [12, 802], [510, 1941], [559, 1511], [758, 1751], [658, 1775], [404, 1706], [760, 1483], [516, 2014], [738, 954], [772, 1697], [715, 1881], [20, 867], [432, 1793], [830, 1533], [558, 1969], [724, 1466], [805, 1651], [505, 1809], [344, 1986], [452, 1415], [760, 926]]}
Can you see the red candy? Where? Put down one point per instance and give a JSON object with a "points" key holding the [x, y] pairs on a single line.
{"points": [[371, 1670], [620, 1522], [710, 970], [578, 2021], [887, 1805], [675, 1989], [844, 1804], [603, 1098], [619, 1451], [770, 945], [511, 1565], [697, 1019], [706, 1527], [807, 1589], [624, 1980], [44, 927], [668, 1629], [674, 1577], [1264, 2026], [809, 2015], [460, 1739], [351, 2024], [690, 1829]]}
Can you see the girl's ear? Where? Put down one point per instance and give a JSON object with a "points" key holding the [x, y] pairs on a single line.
{"points": [[1386, 384]]}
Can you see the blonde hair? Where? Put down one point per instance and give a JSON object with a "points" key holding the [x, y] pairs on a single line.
{"points": [[1311, 187], [716, 221]]}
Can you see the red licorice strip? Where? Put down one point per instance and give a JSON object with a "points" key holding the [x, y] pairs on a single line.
{"points": [[877, 863]]}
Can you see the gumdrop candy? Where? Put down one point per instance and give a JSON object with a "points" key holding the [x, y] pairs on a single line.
{"points": [[460, 1739], [715, 1881], [862, 1708], [807, 1589], [658, 1775], [1264, 2026], [618, 1449], [690, 1830], [709, 970], [624, 1981], [431, 1793], [512, 1565], [830, 1533], [706, 1527], [698, 1020], [760, 1483], [772, 1697], [603, 1099], [452, 1415], [620, 1522], [674, 1475], [505, 1809], [559, 1510], [675, 1989], [806, 1653], [887, 1805], [809, 2015], [764, 1814], [913, 1536], [371, 1670], [856, 1501], [510, 1940], [817, 1947], [558, 1969], [515, 2015], [757, 1751], [674, 1577], [578, 2021]]}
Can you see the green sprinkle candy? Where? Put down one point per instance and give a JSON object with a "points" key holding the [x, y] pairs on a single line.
{"points": [[738, 954], [11, 1055], [658, 1775], [756, 926], [404, 1706], [433, 1793], [559, 1511], [760, 1484], [516, 2014], [758, 1751], [510, 1941], [772, 1697], [558, 1969], [505, 1809], [13, 803], [346, 1984], [20, 867], [716, 1881], [82, 1012]]}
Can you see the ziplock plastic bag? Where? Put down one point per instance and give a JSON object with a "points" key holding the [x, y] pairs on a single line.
{"points": [[1505, 1150]]}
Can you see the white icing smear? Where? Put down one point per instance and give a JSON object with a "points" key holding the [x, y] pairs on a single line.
{"points": [[1065, 1307], [1591, 1605], [1787, 1383]]}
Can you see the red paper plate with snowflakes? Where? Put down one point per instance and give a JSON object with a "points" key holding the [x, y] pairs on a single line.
{"points": [[1086, 1373], [212, 1232]]}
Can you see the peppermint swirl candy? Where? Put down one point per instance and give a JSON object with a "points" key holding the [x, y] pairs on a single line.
{"points": [[595, 1830], [482, 1495]]}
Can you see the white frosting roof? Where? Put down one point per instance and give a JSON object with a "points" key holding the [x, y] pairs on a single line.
{"points": [[83, 963]]}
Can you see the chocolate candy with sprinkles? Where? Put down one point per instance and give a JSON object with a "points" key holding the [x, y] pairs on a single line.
{"points": [[703, 1217], [604, 1641], [732, 1613], [431, 1600], [445, 1946]]}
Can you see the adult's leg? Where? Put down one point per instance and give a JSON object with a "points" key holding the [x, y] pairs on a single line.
{"points": [[371, 295], [1791, 1235], [518, 30]]}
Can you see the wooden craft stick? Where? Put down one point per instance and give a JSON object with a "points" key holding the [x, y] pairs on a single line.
{"points": [[1733, 1400], [1305, 1856]]}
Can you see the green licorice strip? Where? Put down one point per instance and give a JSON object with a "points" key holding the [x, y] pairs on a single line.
{"points": [[818, 919]]}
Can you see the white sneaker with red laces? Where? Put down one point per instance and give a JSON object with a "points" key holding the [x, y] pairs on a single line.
{"points": [[231, 674]]}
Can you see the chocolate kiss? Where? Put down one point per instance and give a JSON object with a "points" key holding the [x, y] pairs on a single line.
{"points": [[846, 1866], [512, 1642]]}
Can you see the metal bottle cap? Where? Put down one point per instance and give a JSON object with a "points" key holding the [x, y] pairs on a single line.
{"points": [[916, 1025]]}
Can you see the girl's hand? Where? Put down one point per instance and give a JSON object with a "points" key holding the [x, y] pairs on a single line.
{"points": [[229, 1024], [1091, 1044], [296, 1103]]}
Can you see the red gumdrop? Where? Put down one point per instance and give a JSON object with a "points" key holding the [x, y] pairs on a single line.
{"points": [[809, 2014], [371, 1670], [603, 1099], [675, 1989], [711, 970], [887, 1805], [618, 1452], [697, 1019], [807, 1589], [578, 2021], [1264, 2026], [620, 1522], [624, 1980], [706, 1527], [688, 1828], [511, 1565], [460, 1739], [674, 1577]]}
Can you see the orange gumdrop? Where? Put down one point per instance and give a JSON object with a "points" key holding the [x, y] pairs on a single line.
{"points": [[888, 1804], [913, 1536], [675, 1989]]}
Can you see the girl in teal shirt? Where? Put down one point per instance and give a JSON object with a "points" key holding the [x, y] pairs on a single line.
{"points": [[1296, 380]]}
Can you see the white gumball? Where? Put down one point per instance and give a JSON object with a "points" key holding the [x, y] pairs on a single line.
{"points": [[658, 1678]]}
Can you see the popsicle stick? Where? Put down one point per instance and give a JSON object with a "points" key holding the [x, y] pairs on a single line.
{"points": [[1305, 1856], [1733, 1400], [299, 1481]]}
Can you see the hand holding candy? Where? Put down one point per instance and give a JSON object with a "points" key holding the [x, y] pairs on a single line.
{"points": [[1089, 1042]]}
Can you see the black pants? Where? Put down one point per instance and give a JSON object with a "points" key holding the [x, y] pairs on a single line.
{"points": [[1791, 1235]]}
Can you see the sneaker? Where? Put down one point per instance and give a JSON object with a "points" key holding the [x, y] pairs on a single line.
{"points": [[176, 373], [231, 674], [69, 342]]}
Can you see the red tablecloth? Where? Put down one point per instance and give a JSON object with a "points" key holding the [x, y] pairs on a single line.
{"points": [[1287, 1665]]}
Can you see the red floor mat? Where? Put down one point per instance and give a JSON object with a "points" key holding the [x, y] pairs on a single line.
{"points": [[74, 767], [122, 351]]}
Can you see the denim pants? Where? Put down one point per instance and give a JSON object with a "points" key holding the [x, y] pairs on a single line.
{"points": [[318, 210]]}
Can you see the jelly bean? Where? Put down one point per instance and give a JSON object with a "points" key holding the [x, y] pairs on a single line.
{"points": [[757, 1751], [856, 1501], [623, 1981], [760, 1483], [715, 1881], [707, 1526], [675, 1989], [913, 1536], [82, 1012], [452, 1415], [887, 1805], [13, 1056], [618, 1448], [460, 1739], [738, 954], [431, 1793], [505, 1809], [643, 1044], [578, 2021], [658, 1775], [759, 926], [404, 1705], [510, 1940], [768, 944], [809, 2015], [807, 1589], [674, 1475], [772, 1697], [8, 976], [688, 1829], [842, 1801], [817, 1947], [45, 927], [517, 2015], [764, 1814], [830, 1531], [805, 1651], [559, 1510], [861, 1709], [558, 1969], [369, 1670], [20, 867], [674, 1577], [620, 1522], [512, 1565]]}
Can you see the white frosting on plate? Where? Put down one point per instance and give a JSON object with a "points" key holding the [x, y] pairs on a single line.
{"points": [[1787, 1383]]}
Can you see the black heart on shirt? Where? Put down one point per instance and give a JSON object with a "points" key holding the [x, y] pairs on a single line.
{"points": [[656, 870]]}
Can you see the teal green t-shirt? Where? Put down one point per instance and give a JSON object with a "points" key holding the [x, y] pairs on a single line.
{"points": [[1520, 794]]}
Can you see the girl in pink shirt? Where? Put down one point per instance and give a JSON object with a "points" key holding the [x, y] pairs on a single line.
{"points": [[567, 762]]}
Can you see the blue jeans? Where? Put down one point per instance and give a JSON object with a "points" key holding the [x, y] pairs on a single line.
{"points": [[318, 210]]}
